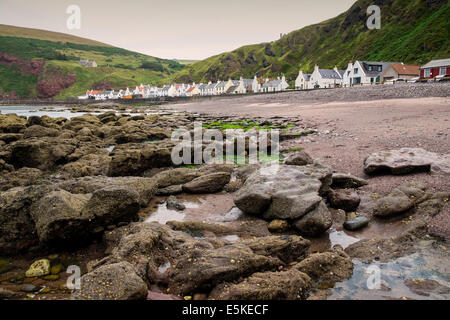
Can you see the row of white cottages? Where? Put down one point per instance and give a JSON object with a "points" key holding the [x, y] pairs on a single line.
{"points": [[241, 86], [357, 73]]}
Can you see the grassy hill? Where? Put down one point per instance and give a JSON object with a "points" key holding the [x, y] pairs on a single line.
{"points": [[61, 76], [412, 31]]}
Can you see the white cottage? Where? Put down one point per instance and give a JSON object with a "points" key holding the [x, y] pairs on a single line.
{"points": [[325, 78], [275, 85], [302, 81], [364, 72]]}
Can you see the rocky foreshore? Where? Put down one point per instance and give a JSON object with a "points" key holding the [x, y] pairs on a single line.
{"points": [[81, 192]]}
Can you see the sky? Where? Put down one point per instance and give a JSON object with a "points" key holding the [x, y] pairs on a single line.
{"points": [[175, 29]]}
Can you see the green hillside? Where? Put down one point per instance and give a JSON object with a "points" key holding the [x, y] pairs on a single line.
{"points": [[412, 31], [61, 76]]}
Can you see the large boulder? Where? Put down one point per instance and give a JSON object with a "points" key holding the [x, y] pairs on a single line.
{"points": [[393, 204], [331, 266], [315, 222], [406, 160], [40, 153], [39, 132], [12, 123], [288, 193], [113, 204], [117, 281], [285, 285], [58, 217], [132, 160], [209, 183]]}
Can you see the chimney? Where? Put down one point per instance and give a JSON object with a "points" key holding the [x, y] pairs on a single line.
{"points": [[316, 68]]}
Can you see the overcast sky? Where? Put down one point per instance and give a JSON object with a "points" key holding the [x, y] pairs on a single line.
{"points": [[182, 29]]}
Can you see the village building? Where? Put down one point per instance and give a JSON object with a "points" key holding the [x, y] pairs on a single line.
{"points": [[435, 69], [365, 72], [325, 78], [88, 64], [275, 85], [400, 71], [302, 81], [193, 91]]}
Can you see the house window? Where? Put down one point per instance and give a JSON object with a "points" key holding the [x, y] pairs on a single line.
{"points": [[443, 70], [426, 73], [355, 71], [371, 80]]}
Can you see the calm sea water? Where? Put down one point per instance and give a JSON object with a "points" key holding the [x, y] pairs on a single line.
{"points": [[28, 111]]}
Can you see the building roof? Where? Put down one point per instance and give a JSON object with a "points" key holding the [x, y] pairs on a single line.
{"points": [[307, 76], [384, 65], [232, 89], [273, 83], [437, 63], [329, 74], [222, 84], [403, 69]]}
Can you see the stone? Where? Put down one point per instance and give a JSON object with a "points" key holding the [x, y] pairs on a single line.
{"points": [[278, 225], [347, 181], [113, 204], [210, 183], [405, 161], [425, 287], [29, 288], [170, 191], [12, 123], [38, 268], [393, 204], [58, 217], [285, 285], [315, 222], [300, 158], [345, 199], [173, 203], [56, 269], [117, 281], [51, 277], [356, 223], [283, 192], [331, 266], [37, 131], [7, 294]]}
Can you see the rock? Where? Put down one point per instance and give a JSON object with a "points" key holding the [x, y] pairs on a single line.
{"points": [[157, 296], [39, 268], [347, 181], [425, 287], [300, 158], [406, 160], [58, 217], [234, 186], [10, 137], [17, 228], [345, 199], [52, 277], [7, 294], [332, 266], [12, 123], [56, 269], [29, 288], [278, 225], [210, 183], [132, 160], [393, 204], [40, 153], [39, 132], [288, 193], [170, 191], [315, 222], [88, 165], [286, 285], [175, 177], [173, 203], [117, 281], [4, 268], [113, 204], [356, 223]]}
